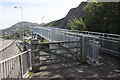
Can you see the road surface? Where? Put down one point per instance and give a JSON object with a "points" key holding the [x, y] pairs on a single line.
{"points": [[4, 43], [10, 51]]}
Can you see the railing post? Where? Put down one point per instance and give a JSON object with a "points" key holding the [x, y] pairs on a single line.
{"points": [[21, 66], [1, 71], [84, 48], [35, 61]]}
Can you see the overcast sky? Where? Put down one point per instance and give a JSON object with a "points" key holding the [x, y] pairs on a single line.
{"points": [[34, 10]]}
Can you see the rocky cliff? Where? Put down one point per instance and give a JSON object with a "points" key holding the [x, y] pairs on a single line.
{"points": [[77, 12]]}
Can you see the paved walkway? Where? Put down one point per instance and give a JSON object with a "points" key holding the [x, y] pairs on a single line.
{"points": [[107, 69]]}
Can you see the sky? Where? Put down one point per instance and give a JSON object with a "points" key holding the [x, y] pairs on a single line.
{"points": [[34, 10]]}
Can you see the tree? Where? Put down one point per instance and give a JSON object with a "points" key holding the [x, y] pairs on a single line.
{"points": [[103, 17], [76, 24]]}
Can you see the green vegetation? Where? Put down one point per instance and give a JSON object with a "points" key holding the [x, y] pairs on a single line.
{"points": [[49, 24], [99, 17], [76, 24], [12, 36], [103, 17], [16, 34], [30, 73]]}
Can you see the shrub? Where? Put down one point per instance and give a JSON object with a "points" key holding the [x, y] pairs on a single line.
{"points": [[77, 24]]}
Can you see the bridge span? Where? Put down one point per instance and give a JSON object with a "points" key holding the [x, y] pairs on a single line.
{"points": [[107, 42], [81, 46]]}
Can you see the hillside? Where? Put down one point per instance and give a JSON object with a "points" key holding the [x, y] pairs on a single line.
{"points": [[77, 12], [23, 24], [19, 25]]}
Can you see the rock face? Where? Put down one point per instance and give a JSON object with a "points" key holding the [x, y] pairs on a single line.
{"points": [[77, 12]]}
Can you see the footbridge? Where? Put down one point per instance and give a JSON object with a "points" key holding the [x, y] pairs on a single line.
{"points": [[107, 42], [67, 45]]}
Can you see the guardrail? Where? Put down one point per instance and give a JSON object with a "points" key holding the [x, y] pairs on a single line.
{"points": [[110, 46], [97, 33], [56, 34], [108, 42], [1, 50], [16, 66]]}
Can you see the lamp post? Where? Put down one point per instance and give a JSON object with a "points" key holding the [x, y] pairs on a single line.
{"points": [[21, 60], [21, 17], [21, 12]]}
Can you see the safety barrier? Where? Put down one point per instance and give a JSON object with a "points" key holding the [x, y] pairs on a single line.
{"points": [[16, 66], [99, 34], [109, 42], [56, 34]]}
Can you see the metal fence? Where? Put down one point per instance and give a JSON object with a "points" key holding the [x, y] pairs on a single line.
{"points": [[16, 66], [98, 34], [108, 42], [57, 34]]}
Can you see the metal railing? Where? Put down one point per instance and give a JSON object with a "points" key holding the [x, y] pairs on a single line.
{"points": [[99, 34], [16, 66], [108, 42], [57, 34]]}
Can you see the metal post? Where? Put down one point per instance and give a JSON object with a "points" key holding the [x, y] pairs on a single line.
{"points": [[21, 18], [21, 67], [34, 44], [84, 48]]}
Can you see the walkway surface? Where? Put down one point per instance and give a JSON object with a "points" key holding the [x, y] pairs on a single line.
{"points": [[108, 69]]}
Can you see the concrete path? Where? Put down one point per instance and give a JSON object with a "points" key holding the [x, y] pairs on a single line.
{"points": [[107, 69]]}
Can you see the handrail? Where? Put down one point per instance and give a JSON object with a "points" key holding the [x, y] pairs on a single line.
{"points": [[96, 32], [14, 56], [14, 67], [107, 35], [56, 34], [100, 34]]}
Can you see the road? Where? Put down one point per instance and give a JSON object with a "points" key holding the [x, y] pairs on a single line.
{"points": [[4, 43], [10, 51], [9, 68]]}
